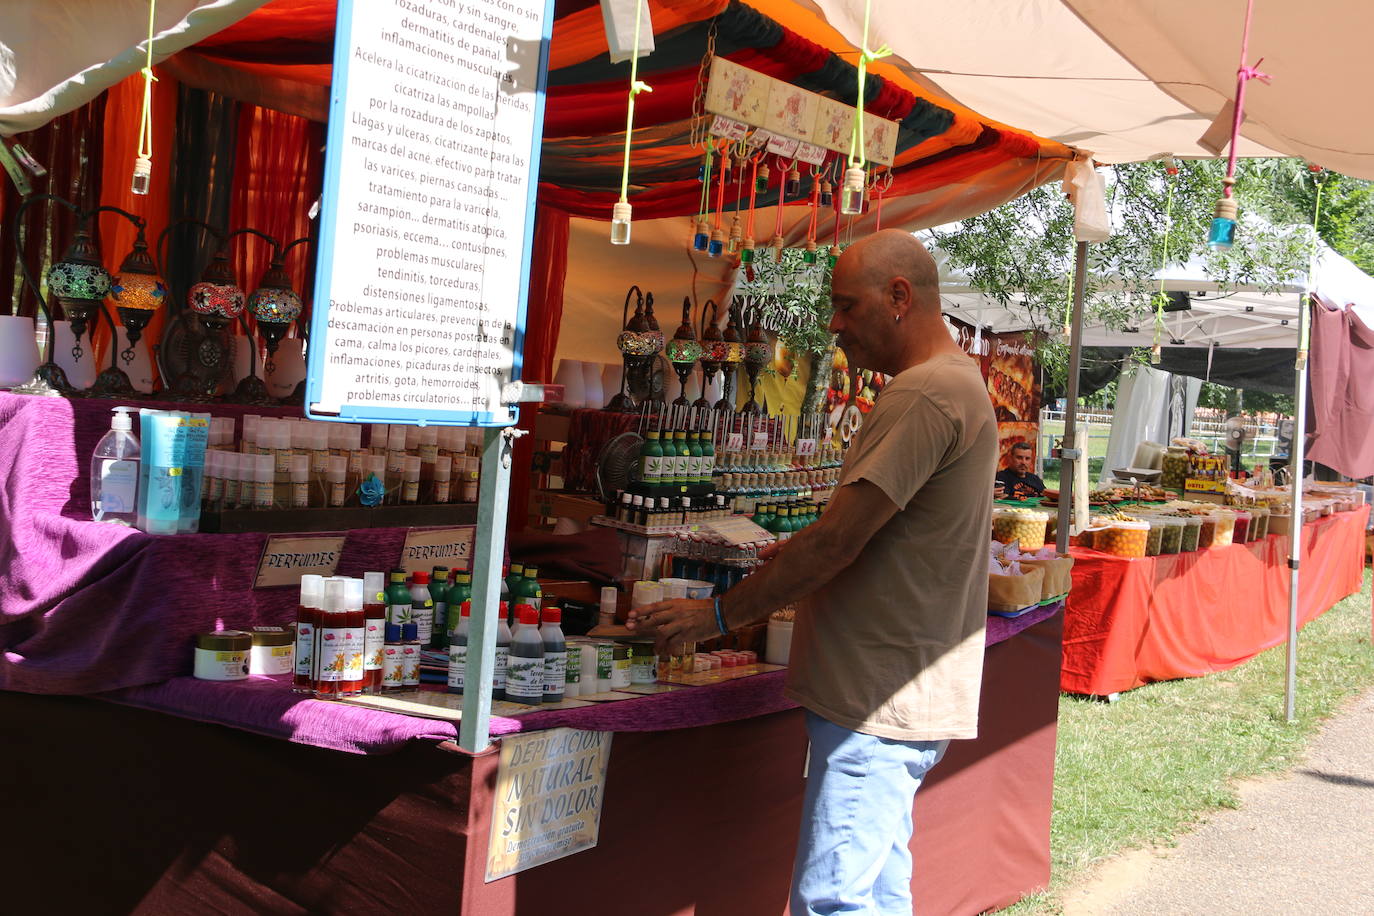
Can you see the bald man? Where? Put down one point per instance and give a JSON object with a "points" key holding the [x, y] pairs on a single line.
{"points": [[891, 583]]}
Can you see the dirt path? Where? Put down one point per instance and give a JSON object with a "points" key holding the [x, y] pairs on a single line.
{"points": [[1298, 844]]}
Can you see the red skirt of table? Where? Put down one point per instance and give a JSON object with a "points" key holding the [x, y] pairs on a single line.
{"points": [[1133, 622]]}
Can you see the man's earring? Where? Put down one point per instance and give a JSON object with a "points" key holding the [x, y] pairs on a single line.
{"points": [[897, 318]]}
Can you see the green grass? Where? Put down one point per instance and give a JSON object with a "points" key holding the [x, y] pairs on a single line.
{"points": [[1096, 445], [1140, 772]]}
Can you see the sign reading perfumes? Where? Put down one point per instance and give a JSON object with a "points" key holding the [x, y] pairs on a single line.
{"points": [[427, 214], [547, 804], [285, 558], [425, 548]]}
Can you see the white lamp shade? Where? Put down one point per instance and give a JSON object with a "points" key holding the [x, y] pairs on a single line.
{"points": [[611, 376], [81, 372], [288, 368], [140, 370], [243, 353], [693, 387], [593, 395], [570, 376], [18, 350], [713, 392]]}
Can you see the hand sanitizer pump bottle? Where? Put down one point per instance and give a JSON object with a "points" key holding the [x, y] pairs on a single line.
{"points": [[114, 473]]}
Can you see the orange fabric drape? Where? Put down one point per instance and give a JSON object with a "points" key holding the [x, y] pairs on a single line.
{"points": [[279, 171], [123, 110]]}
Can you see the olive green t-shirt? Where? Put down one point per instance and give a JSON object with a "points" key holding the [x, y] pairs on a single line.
{"points": [[893, 645]]}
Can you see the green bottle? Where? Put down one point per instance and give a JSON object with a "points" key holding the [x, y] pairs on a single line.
{"points": [[681, 471], [651, 463], [514, 574], [398, 609], [694, 461], [527, 590], [460, 591], [438, 590], [708, 459]]}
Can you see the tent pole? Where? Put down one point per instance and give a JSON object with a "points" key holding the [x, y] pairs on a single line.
{"points": [[1295, 452], [1068, 452]]}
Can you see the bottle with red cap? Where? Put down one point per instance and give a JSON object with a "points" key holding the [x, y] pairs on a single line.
{"points": [[498, 670], [555, 654], [525, 667], [458, 650], [422, 606]]}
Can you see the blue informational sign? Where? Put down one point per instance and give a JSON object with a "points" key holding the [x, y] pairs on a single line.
{"points": [[427, 217]]}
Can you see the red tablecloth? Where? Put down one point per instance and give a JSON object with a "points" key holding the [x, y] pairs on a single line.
{"points": [[1132, 622]]}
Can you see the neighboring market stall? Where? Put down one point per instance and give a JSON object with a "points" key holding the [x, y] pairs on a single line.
{"points": [[102, 621]]}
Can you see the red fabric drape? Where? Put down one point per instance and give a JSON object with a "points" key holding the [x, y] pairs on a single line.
{"points": [[543, 316], [279, 172], [72, 149], [1340, 398], [123, 112]]}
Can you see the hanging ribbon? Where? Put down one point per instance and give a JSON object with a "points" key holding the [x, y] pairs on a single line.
{"points": [[866, 56], [1243, 75], [636, 87], [143, 164]]}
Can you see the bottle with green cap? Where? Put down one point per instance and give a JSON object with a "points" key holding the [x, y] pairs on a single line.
{"points": [[694, 465], [514, 574], [528, 590], [398, 604], [460, 591], [651, 462]]}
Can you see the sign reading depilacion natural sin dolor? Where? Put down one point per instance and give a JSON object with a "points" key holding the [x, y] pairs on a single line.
{"points": [[549, 791], [427, 212]]}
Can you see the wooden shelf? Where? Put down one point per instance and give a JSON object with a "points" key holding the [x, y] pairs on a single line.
{"points": [[276, 521]]}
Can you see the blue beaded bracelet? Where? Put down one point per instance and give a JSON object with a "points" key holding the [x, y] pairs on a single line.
{"points": [[720, 618]]}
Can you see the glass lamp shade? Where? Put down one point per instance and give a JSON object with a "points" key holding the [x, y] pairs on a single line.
{"points": [[273, 304], [223, 300], [140, 291], [683, 350], [715, 351], [639, 343], [757, 354], [76, 279]]}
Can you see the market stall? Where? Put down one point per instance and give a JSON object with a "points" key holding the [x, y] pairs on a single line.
{"points": [[103, 623]]}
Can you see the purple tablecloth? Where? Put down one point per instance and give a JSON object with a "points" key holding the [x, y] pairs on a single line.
{"points": [[267, 706], [83, 606]]}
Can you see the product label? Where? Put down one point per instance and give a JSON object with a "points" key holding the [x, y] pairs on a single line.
{"points": [[333, 654], [620, 672], [393, 667], [354, 642], [422, 615], [694, 465], [319, 461], [653, 467], [272, 660], [441, 491], [525, 678], [300, 494], [374, 641], [231, 492], [573, 671], [283, 461], [457, 665], [708, 465], [214, 490], [410, 491], [262, 494], [428, 453], [644, 669], [336, 493], [400, 614], [555, 671], [305, 648], [211, 665], [410, 660], [118, 486], [605, 661], [498, 671], [680, 469]]}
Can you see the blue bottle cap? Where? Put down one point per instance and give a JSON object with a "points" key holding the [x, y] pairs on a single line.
{"points": [[410, 632], [393, 632]]}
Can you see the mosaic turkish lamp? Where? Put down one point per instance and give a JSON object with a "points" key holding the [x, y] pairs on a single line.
{"points": [[757, 353], [639, 343], [274, 305], [216, 299], [80, 283], [713, 352], [730, 362], [138, 292], [683, 351]]}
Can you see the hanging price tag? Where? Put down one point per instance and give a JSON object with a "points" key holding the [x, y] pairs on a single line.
{"points": [[734, 442], [811, 154], [759, 138], [806, 447], [760, 441], [783, 146], [730, 129]]}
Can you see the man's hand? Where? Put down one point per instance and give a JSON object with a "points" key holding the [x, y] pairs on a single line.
{"points": [[998, 491], [675, 622]]}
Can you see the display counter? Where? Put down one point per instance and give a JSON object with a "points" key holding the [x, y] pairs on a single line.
{"points": [[1130, 622], [311, 806]]}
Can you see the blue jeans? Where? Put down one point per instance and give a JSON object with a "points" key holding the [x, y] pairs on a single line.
{"points": [[852, 855]]}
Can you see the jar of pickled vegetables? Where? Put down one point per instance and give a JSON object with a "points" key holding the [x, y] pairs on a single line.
{"points": [[1242, 528], [1172, 540], [1024, 525], [1259, 525], [1155, 540], [1123, 539], [1207, 531], [1174, 473], [1225, 531], [1192, 530]]}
